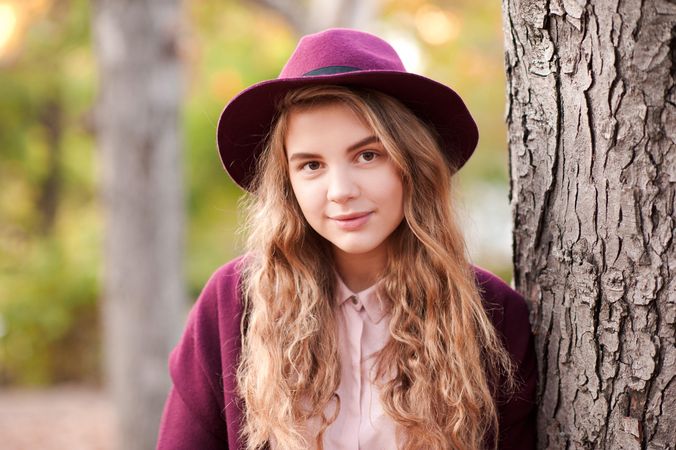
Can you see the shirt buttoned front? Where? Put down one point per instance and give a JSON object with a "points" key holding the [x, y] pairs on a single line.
{"points": [[363, 330]]}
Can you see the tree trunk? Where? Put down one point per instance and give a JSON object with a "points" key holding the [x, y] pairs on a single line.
{"points": [[592, 137], [137, 123], [51, 118], [316, 15]]}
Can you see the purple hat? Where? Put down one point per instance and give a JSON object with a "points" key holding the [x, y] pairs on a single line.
{"points": [[345, 57]]}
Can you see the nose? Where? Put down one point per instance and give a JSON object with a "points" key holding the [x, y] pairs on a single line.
{"points": [[341, 186]]}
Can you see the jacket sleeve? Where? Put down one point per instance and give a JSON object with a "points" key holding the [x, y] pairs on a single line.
{"points": [[195, 413], [518, 428], [181, 429], [509, 313]]}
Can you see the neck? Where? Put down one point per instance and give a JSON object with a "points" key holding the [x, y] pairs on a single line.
{"points": [[360, 271]]}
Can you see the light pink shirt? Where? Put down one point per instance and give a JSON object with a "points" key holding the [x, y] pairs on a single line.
{"points": [[363, 322]]}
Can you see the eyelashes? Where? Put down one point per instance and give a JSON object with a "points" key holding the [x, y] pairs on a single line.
{"points": [[366, 156], [308, 164], [369, 152]]}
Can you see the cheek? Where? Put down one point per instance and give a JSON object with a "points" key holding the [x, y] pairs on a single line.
{"points": [[397, 196], [308, 198], [389, 188]]}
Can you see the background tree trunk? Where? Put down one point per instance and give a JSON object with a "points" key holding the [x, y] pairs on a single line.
{"points": [[592, 130], [138, 136], [51, 118], [315, 15]]}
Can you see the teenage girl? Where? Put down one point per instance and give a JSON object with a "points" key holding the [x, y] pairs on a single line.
{"points": [[355, 319]]}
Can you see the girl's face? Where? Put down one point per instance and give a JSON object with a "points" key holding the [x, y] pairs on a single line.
{"points": [[349, 190]]}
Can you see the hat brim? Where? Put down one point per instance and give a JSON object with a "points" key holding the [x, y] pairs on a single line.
{"points": [[245, 122]]}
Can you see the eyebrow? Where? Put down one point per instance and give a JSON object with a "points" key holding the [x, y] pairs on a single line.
{"points": [[366, 141]]}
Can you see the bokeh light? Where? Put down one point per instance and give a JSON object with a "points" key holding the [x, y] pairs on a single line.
{"points": [[8, 21], [435, 25]]}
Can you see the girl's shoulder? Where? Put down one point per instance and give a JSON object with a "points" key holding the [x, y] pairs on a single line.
{"points": [[223, 286], [507, 308], [218, 308], [229, 272], [211, 335]]}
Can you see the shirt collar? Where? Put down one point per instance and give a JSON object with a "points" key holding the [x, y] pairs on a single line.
{"points": [[373, 304]]}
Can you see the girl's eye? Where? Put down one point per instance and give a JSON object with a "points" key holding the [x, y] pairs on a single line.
{"points": [[310, 165], [368, 155]]}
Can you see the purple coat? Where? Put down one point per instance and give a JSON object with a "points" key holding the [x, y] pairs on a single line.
{"points": [[203, 411]]}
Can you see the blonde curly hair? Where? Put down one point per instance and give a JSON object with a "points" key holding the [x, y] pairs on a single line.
{"points": [[443, 357]]}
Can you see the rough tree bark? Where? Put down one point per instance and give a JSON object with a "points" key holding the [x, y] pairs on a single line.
{"points": [[592, 135], [137, 124]]}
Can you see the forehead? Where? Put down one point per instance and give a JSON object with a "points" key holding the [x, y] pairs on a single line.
{"points": [[328, 123], [326, 114]]}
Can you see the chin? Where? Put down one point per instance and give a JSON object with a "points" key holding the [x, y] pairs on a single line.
{"points": [[356, 248]]}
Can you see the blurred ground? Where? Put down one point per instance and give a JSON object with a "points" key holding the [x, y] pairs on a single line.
{"points": [[62, 418]]}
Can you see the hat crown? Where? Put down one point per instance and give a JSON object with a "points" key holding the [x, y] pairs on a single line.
{"points": [[342, 48]]}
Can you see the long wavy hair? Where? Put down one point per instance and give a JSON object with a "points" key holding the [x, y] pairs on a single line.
{"points": [[437, 374]]}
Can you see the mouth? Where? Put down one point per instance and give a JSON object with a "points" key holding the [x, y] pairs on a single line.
{"points": [[353, 221], [351, 216]]}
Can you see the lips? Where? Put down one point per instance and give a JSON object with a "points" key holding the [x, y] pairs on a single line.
{"points": [[352, 221], [350, 216]]}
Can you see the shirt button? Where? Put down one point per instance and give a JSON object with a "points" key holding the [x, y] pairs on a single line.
{"points": [[354, 300]]}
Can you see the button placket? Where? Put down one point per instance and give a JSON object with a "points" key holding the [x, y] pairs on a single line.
{"points": [[358, 370]]}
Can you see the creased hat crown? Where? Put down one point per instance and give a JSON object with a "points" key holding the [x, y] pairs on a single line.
{"points": [[340, 50]]}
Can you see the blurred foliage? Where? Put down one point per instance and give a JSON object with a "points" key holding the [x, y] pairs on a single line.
{"points": [[470, 60], [50, 220], [228, 47]]}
